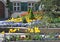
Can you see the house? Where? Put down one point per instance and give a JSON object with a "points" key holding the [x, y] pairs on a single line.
{"points": [[21, 6], [17, 6], [24, 5]]}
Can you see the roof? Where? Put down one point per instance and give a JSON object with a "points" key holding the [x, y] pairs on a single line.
{"points": [[24, 0]]}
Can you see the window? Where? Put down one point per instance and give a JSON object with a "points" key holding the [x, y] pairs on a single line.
{"points": [[29, 4], [16, 6]]}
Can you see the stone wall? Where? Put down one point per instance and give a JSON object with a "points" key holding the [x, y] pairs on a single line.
{"points": [[50, 30]]}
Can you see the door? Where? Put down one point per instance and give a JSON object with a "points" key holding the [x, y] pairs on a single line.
{"points": [[1, 10]]}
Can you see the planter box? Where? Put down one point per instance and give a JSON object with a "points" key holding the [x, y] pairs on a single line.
{"points": [[37, 41]]}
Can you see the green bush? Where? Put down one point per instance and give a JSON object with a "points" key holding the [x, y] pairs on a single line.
{"points": [[37, 37], [56, 20], [24, 20], [31, 14], [18, 16]]}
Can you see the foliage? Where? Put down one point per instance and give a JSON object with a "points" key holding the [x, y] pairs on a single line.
{"points": [[56, 2], [24, 20], [13, 38], [31, 14], [50, 6], [18, 16], [56, 20], [34, 30], [28, 10], [17, 37], [37, 37]]}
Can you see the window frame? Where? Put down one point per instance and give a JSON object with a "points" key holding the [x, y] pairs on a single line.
{"points": [[32, 5], [17, 7]]}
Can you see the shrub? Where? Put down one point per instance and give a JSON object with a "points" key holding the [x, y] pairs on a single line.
{"points": [[18, 16], [31, 14], [24, 20], [37, 37]]}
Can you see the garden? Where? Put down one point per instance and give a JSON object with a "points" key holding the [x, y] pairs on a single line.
{"points": [[40, 19], [31, 23], [21, 36]]}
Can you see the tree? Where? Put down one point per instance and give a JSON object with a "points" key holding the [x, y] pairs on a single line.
{"points": [[29, 10], [56, 2], [31, 14], [50, 6]]}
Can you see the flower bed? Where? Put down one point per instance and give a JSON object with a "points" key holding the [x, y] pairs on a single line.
{"points": [[30, 37], [20, 30]]}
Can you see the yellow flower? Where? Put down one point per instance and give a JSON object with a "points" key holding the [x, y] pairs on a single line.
{"points": [[18, 20], [31, 31], [11, 30], [28, 20], [2, 32], [36, 30], [39, 18], [18, 29], [12, 19], [14, 30]]}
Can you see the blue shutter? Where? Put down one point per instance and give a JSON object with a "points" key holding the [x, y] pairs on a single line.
{"points": [[11, 6], [23, 6]]}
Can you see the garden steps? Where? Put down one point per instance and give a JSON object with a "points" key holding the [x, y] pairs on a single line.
{"points": [[43, 30], [37, 41]]}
